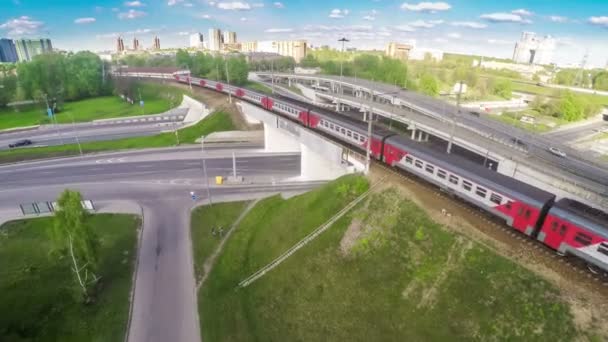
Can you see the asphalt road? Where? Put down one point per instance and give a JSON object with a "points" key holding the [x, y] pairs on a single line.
{"points": [[50, 135], [576, 133], [160, 181]]}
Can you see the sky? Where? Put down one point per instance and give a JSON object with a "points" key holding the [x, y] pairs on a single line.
{"points": [[488, 28]]}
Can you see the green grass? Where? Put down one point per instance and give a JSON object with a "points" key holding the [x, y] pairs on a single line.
{"points": [[35, 299], [155, 97], [405, 278], [261, 88], [513, 119], [215, 122], [203, 220]]}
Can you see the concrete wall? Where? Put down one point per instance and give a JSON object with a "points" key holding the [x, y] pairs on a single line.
{"points": [[322, 159], [196, 109]]}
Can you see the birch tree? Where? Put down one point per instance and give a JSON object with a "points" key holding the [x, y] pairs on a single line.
{"points": [[75, 240]]}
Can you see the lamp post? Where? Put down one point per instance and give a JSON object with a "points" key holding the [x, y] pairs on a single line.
{"points": [[227, 80], [343, 40], [205, 169]]}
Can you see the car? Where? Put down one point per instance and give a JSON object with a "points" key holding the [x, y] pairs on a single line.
{"points": [[518, 142], [556, 151], [19, 143]]}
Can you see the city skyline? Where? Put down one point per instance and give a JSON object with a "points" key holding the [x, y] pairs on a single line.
{"points": [[453, 26]]}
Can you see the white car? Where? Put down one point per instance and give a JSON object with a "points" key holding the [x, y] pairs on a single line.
{"points": [[556, 151]]}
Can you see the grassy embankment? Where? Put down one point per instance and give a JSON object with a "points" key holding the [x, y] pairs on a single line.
{"points": [[215, 122], [260, 88], [384, 272], [36, 302], [156, 100]]}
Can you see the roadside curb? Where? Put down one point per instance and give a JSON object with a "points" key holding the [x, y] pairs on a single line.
{"points": [[134, 276], [19, 129]]}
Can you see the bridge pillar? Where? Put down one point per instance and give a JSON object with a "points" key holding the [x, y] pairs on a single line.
{"points": [[277, 141], [289, 81], [413, 133]]}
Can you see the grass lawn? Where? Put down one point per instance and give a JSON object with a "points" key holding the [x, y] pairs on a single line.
{"points": [[260, 88], [35, 301], [203, 220], [155, 96], [384, 272], [215, 122]]}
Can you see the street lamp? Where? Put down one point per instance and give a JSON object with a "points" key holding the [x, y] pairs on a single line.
{"points": [[343, 40], [205, 169]]}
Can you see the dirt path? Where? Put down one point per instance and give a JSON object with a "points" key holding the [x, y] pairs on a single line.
{"points": [[208, 265], [586, 293]]}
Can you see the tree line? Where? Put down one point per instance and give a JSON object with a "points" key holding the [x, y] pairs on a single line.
{"points": [[55, 77]]}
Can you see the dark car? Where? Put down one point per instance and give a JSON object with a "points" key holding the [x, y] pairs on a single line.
{"points": [[518, 142], [18, 143]]}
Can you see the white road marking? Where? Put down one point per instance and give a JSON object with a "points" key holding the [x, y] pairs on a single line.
{"points": [[143, 166]]}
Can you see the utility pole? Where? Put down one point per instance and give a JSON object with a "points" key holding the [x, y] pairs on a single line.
{"points": [[228, 80], [451, 141], [343, 40], [76, 134], [369, 117], [272, 74], [233, 165], [205, 169]]}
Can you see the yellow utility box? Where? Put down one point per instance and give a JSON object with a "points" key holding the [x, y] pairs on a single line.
{"points": [[219, 180]]}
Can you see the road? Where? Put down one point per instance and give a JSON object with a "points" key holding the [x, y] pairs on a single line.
{"points": [[160, 181], [576, 133], [50, 135]]}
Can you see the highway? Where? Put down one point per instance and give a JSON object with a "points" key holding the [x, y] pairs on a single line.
{"points": [[50, 135], [159, 183], [576, 133], [577, 165]]}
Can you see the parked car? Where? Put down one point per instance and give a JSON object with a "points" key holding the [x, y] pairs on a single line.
{"points": [[556, 151], [19, 143], [518, 142]]}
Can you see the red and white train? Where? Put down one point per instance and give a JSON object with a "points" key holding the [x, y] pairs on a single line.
{"points": [[567, 226]]}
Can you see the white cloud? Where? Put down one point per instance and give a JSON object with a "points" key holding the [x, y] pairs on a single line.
{"points": [[469, 24], [369, 18], [337, 13], [523, 12], [204, 16], [115, 9], [278, 5], [558, 19], [499, 42], [99, 9], [107, 35], [371, 15], [234, 6], [135, 3], [404, 28], [279, 30], [174, 2], [599, 21], [22, 25], [183, 33], [431, 7], [425, 24], [85, 20], [501, 17], [454, 35], [257, 5], [440, 40], [131, 14], [243, 19]]}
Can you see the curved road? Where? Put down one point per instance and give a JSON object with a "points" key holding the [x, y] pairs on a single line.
{"points": [[160, 181]]}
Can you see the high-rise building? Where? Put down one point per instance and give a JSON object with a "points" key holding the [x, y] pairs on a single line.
{"points": [[532, 49], [229, 37], [249, 46], [156, 43], [290, 48], [120, 45], [215, 39], [196, 40], [398, 50], [135, 44], [28, 48], [8, 52]]}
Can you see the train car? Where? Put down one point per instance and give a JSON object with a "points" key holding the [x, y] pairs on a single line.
{"points": [[522, 206], [574, 228]]}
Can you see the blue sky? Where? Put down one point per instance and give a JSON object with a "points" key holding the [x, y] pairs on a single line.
{"points": [[465, 26]]}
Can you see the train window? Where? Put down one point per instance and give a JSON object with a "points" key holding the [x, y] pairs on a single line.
{"points": [[563, 230], [509, 205], [418, 164], [349, 134], [355, 136], [343, 130], [583, 239], [430, 168], [453, 179], [331, 126], [467, 185], [481, 192], [528, 213], [441, 174], [554, 226], [409, 160], [520, 211], [362, 138], [495, 198]]}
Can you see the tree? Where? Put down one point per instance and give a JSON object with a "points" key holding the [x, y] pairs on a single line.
{"points": [[571, 107], [72, 237], [503, 88], [428, 85], [8, 89], [238, 70], [309, 61], [600, 81], [182, 58]]}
